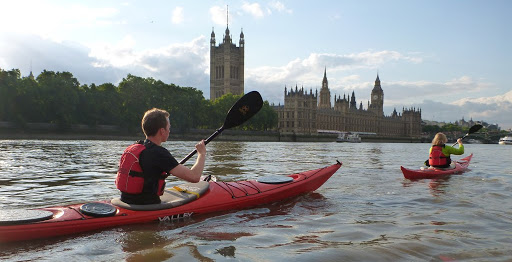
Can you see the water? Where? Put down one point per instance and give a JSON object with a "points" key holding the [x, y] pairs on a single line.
{"points": [[366, 212]]}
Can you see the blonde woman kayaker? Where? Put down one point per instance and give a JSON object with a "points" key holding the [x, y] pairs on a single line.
{"points": [[439, 154]]}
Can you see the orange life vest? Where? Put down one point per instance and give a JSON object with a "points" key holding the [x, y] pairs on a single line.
{"points": [[130, 177], [437, 158]]}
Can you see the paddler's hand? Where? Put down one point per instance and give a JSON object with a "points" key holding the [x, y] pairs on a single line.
{"points": [[201, 147], [459, 141]]}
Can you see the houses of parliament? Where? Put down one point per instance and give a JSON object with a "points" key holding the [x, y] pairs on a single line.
{"points": [[226, 66], [310, 113]]}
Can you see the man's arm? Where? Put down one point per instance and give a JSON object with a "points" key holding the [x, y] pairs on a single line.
{"points": [[193, 174]]}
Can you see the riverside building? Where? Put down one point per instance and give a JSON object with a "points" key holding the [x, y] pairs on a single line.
{"points": [[226, 66], [306, 112]]}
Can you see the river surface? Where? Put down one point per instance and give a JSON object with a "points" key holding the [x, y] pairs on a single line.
{"points": [[366, 212]]}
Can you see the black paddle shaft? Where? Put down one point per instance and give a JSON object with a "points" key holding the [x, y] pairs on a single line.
{"points": [[472, 130], [245, 108]]}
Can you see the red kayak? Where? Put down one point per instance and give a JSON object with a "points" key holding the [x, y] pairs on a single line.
{"points": [[460, 167], [177, 203]]}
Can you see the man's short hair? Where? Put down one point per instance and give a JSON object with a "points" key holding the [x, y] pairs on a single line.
{"points": [[153, 120]]}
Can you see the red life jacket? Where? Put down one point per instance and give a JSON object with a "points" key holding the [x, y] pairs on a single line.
{"points": [[437, 158], [130, 177]]}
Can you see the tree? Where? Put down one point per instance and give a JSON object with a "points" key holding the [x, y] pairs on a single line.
{"points": [[220, 108], [134, 92], [265, 119], [61, 96], [58, 97]]}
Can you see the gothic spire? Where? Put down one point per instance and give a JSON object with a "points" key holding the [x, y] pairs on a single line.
{"points": [[227, 37], [324, 81], [377, 86]]}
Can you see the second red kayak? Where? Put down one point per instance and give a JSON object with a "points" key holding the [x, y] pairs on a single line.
{"points": [[460, 167]]}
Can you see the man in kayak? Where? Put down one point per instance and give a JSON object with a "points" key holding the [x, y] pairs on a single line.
{"points": [[439, 156], [145, 165]]}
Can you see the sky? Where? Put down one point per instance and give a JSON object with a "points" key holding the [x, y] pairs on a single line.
{"points": [[451, 59]]}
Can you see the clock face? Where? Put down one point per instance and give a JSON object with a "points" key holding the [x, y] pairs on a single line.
{"points": [[375, 96]]}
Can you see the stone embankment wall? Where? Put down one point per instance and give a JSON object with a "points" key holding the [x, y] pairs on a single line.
{"points": [[106, 132]]}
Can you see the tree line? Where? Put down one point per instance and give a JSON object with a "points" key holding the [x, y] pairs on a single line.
{"points": [[58, 98], [488, 134]]}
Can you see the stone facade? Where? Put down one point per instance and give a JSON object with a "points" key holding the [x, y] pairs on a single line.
{"points": [[226, 66], [308, 113]]}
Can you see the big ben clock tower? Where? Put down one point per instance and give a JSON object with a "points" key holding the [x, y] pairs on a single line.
{"points": [[377, 99]]}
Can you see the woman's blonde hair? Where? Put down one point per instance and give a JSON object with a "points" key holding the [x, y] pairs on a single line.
{"points": [[439, 140]]}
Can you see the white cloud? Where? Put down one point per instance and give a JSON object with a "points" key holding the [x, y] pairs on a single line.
{"points": [[178, 15], [309, 71], [119, 55], [52, 20], [253, 9], [276, 5], [496, 109], [499, 100], [184, 64], [218, 15], [441, 101], [257, 11], [435, 99], [187, 64], [400, 92], [493, 110]]}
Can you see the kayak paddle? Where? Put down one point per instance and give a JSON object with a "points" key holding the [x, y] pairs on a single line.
{"points": [[472, 130], [246, 107]]}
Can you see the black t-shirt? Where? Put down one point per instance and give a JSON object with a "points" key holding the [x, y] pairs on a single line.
{"points": [[154, 160]]}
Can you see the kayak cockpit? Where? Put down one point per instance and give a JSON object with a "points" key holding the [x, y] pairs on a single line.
{"points": [[172, 197]]}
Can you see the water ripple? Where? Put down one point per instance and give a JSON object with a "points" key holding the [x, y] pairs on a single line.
{"points": [[366, 212]]}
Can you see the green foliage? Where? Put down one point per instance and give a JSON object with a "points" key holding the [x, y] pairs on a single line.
{"points": [[265, 119], [8, 90], [58, 97], [432, 129]]}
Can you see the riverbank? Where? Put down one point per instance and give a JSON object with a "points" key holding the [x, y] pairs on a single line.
{"points": [[176, 135], [44, 131], [196, 135]]}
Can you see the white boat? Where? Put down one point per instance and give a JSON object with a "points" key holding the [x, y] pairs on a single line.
{"points": [[507, 140], [348, 137], [473, 141]]}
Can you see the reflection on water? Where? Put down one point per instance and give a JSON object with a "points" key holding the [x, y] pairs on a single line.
{"points": [[366, 212], [39, 172], [225, 160], [145, 246], [439, 186], [227, 251]]}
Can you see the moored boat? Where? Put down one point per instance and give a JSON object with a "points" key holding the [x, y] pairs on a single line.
{"points": [[425, 173], [178, 202], [473, 141], [348, 137], [507, 140]]}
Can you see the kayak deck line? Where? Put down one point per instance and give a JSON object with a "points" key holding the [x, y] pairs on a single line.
{"points": [[219, 196], [228, 185]]}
